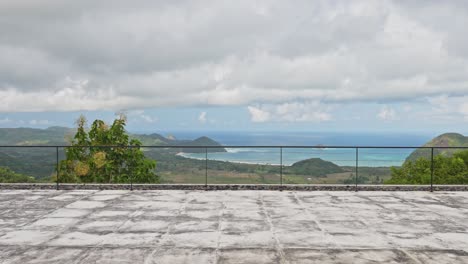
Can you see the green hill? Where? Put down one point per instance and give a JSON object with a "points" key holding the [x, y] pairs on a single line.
{"points": [[313, 167], [152, 139], [158, 140], [40, 162], [61, 135], [34, 136], [202, 141], [444, 140]]}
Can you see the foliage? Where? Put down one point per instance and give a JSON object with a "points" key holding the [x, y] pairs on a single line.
{"points": [[9, 176], [447, 170], [360, 180], [105, 154], [37, 162], [367, 175]]}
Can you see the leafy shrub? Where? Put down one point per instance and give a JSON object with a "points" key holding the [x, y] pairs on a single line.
{"points": [[447, 170], [9, 176], [105, 155]]}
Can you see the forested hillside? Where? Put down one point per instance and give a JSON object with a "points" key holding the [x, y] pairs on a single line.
{"points": [[444, 140]]}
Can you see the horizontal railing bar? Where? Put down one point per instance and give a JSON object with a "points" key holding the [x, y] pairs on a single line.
{"points": [[229, 146]]}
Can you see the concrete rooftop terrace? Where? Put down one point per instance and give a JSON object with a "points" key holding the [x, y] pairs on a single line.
{"points": [[90, 226]]}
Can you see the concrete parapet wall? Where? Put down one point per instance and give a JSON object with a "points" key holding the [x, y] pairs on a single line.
{"points": [[215, 187]]}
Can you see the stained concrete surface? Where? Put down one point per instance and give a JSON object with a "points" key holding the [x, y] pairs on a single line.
{"points": [[89, 226]]}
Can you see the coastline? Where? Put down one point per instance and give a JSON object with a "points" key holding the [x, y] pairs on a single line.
{"points": [[363, 161], [185, 155]]}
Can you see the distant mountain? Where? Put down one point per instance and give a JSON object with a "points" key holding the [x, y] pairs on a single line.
{"points": [[444, 140], [34, 136], [158, 140], [40, 162], [313, 167], [59, 135]]}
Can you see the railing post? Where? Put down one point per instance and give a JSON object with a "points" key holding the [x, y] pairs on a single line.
{"points": [[206, 168], [357, 166], [131, 181], [57, 168], [432, 169], [281, 168], [132, 170]]}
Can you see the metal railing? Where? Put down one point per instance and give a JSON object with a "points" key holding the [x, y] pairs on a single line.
{"points": [[280, 154]]}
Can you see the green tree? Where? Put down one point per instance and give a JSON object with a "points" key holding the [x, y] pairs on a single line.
{"points": [[447, 170], [106, 154], [9, 176]]}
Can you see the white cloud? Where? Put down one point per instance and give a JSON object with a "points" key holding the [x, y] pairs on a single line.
{"points": [[387, 114], [140, 115], [5, 120], [149, 119], [464, 110], [290, 112], [436, 110], [441, 104], [302, 112], [41, 122], [202, 117], [178, 53], [448, 108], [258, 115]]}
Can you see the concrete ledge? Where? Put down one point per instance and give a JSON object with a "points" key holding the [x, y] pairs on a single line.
{"points": [[216, 187]]}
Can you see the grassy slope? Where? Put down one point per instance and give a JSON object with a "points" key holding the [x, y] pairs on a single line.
{"points": [[33, 136], [175, 169]]}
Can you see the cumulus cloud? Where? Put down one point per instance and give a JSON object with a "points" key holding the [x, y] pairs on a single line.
{"points": [[113, 54], [141, 115], [149, 119], [290, 112], [202, 117], [448, 108], [258, 115], [5, 120], [387, 113]]}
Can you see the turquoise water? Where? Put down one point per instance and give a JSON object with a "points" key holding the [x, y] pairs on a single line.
{"points": [[342, 157]]}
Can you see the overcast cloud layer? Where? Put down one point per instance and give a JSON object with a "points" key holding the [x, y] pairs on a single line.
{"points": [[292, 60]]}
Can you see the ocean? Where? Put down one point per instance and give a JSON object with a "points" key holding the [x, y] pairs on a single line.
{"points": [[342, 157]]}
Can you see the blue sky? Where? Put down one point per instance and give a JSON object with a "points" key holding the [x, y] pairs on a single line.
{"points": [[236, 65], [368, 117]]}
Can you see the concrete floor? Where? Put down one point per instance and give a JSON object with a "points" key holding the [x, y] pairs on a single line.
{"points": [[88, 226]]}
